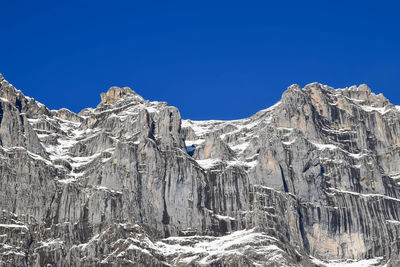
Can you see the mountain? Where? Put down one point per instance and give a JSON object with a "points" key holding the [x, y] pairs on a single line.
{"points": [[310, 181]]}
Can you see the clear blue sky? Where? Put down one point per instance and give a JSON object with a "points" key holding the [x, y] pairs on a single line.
{"points": [[211, 59]]}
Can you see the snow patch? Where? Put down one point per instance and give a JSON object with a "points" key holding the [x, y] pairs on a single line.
{"points": [[382, 111], [363, 195], [208, 163], [349, 263], [225, 218], [324, 146], [209, 249], [288, 143], [51, 242], [67, 181], [194, 142], [240, 148], [393, 222], [14, 226]]}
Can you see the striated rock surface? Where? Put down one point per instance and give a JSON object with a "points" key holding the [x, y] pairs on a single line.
{"points": [[311, 181]]}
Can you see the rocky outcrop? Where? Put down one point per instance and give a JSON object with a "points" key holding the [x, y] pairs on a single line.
{"points": [[115, 94], [310, 180]]}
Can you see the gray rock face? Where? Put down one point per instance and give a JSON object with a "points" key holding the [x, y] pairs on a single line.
{"points": [[310, 180]]}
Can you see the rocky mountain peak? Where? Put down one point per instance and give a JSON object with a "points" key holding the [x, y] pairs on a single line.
{"points": [[11, 94], [363, 95], [116, 93], [323, 95], [129, 182]]}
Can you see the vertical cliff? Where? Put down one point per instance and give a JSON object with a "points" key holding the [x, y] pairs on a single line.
{"points": [[311, 180]]}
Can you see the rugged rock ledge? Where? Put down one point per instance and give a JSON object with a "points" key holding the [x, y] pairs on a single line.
{"points": [[309, 181]]}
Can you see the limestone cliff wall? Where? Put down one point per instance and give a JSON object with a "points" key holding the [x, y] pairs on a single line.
{"points": [[314, 176]]}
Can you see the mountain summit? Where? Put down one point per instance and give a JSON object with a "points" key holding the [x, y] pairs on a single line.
{"points": [[115, 93], [310, 181]]}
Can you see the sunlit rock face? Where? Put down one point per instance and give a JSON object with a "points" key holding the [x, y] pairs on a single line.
{"points": [[310, 180], [114, 94]]}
